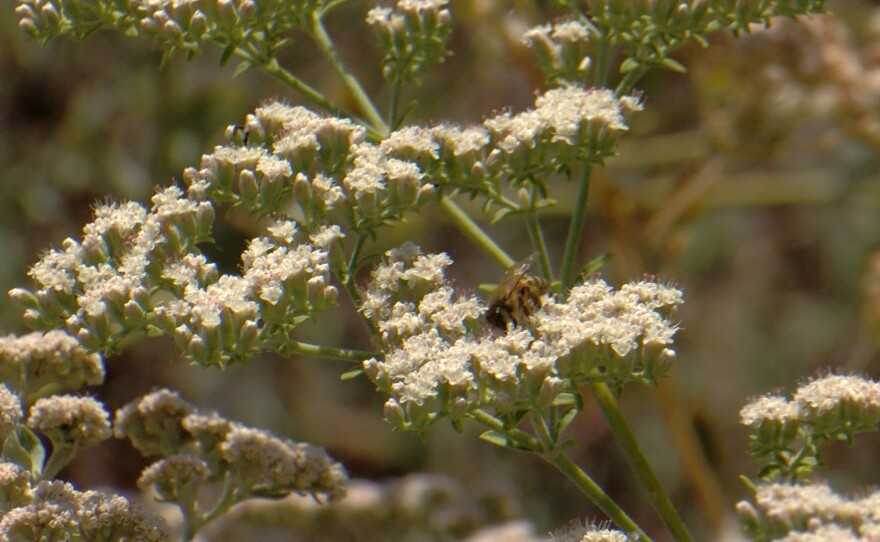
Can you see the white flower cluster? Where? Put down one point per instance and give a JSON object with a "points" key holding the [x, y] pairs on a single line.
{"points": [[100, 289], [326, 166], [37, 364], [199, 448], [588, 532], [175, 25], [413, 35], [822, 409], [55, 511], [810, 513], [218, 318], [442, 360], [141, 271], [561, 49]]}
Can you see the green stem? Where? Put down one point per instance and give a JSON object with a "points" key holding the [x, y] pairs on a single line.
{"points": [[61, 455], [395, 101], [273, 68], [347, 354], [474, 231], [582, 480], [322, 39], [556, 457], [575, 227], [537, 236], [601, 63], [521, 439], [639, 462], [629, 80], [229, 497]]}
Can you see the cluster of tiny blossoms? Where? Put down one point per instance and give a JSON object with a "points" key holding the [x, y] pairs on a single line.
{"points": [[38, 364], [413, 507], [810, 513], [413, 35], [32, 506], [56, 512], [175, 26], [588, 532], [561, 49], [70, 423], [199, 448], [334, 176], [788, 433], [442, 360], [140, 271]]}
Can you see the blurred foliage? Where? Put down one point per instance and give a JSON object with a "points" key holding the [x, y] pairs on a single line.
{"points": [[751, 181]]}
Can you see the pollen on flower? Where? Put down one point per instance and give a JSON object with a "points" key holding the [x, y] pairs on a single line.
{"points": [[411, 143], [772, 408], [326, 236], [834, 402]]}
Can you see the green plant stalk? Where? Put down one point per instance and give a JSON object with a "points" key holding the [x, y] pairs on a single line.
{"points": [[639, 462], [297, 347], [575, 227], [61, 455], [396, 89], [582, 480], [229, 497], [629, 80], [537, 237], [322, 39], [274, 69], [566, 466], [470, 228]]}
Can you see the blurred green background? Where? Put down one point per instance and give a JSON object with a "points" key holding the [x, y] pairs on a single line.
{"points": [[751, 182]]}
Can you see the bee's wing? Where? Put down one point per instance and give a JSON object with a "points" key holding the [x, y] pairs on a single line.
{"points": [[511, 278]]}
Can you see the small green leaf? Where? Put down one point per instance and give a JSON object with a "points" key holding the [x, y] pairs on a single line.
{"points": [[242, 67], [629, 65], [596, 264], [570, 443], [226, 54], [25, 450], [500, 214], [566, 419], [673, 65], [496, 438], [487, 287], [352, 374], [566, 399], [500, 439]]}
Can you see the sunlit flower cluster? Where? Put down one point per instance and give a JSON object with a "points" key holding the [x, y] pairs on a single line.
{"points": [[807, 513], [99, 289], [788, 432], [588, 532], [443, 360], [325, 165], [140, 271], [412, 35], [561, 50]]}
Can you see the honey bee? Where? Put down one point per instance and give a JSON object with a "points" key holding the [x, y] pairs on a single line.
{"points": [[516, 297]]}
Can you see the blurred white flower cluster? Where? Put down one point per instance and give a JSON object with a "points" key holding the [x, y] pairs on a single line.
{"points": [[199, 448]]}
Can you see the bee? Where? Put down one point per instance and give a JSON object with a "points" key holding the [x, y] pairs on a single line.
{"points": [[516, 297]]}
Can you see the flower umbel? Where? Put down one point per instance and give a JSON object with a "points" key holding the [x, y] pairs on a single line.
{"points": [[443, 361]]}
